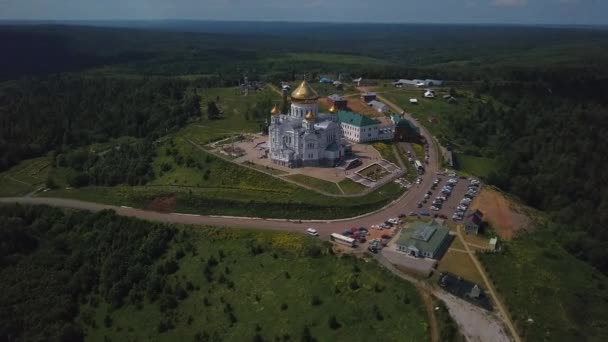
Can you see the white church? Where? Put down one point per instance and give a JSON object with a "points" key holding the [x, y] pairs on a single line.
{"points": [[305, 137]]}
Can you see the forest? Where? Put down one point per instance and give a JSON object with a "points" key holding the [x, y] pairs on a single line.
{"points": [[59, 112], [51, 261]]}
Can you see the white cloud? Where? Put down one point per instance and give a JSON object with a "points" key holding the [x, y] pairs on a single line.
{"points": [[510, 3]]}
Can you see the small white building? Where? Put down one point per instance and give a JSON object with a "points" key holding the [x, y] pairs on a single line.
{"points": [[379, 106], [429, 94], [413, 101], [360, 128]]}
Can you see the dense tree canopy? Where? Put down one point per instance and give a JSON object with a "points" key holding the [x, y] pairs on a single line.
{"points": [[51, 261], [42, 114]]}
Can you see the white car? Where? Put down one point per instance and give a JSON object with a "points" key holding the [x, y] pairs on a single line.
{"points": [[393, 220], [312, 231], [435, 208]]}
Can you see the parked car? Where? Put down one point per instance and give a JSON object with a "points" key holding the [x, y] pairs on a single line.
{"points": [[312, 231], [386, 236], [393, 221], [413, 213], [347, 233], [442, 216], [425, 213]]}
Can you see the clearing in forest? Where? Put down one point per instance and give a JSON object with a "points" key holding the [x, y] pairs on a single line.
{"points": [[501, 212]]}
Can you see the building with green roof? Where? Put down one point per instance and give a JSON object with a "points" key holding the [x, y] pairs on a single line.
{"points": [[405, 130], [361, 128], [424, 239]]}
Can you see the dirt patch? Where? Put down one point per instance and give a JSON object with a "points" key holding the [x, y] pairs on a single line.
{"points": [[163, 204], [501, 212]]}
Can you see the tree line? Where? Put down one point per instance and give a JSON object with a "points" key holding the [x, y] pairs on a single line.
{"points": [[59, 112]]}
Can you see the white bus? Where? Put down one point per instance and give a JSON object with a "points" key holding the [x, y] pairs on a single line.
{"points": [[345, 240], [419, 166]]}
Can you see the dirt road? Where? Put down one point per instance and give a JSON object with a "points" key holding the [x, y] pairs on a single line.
{"points": [[490, 289]]}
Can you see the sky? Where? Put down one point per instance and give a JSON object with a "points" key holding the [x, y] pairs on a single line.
{"points": [[561, 12]]}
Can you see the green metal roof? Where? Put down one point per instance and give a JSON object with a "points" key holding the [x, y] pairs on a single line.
{"points": [[426, 236], [356, 119], [401, 122]]}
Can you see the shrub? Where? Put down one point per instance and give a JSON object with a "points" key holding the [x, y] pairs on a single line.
{"points": [[333, 323]]}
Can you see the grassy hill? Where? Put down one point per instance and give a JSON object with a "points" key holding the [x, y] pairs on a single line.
{"points": [[551, 295], [71, 274]]}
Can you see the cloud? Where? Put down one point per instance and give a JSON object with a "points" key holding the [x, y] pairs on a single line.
{"points": [[510, 3]]}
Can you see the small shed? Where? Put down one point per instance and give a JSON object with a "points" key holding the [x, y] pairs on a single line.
{"points": [[473, 222], [368, 97]]}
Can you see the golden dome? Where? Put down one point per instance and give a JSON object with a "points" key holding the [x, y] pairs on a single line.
{"points": [[275, 110], [333, 109], [309, 116], [304, 92]]}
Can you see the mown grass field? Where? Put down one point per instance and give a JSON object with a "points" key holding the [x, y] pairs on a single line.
{"points": [[315, 183], [240, 113], [350, 188], [202, 183], [25, 177], [460, 263], [565, 299], [262, 286]]}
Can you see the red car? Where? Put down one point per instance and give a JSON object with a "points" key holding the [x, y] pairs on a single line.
{"points": [[386, 236]]}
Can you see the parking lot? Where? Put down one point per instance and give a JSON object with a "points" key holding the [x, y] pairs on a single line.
{"points": [[446, 197]]}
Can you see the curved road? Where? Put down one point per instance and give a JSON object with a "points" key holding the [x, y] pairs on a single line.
{"points": [[404, 204]]}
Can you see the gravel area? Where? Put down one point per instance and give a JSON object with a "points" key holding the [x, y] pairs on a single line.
{"points": [[475, 323]]}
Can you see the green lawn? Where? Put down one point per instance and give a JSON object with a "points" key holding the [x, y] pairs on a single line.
{"points": [[240, 113], [350, 188], [477, 166], [316, 183], [24, 177], [566, 299], [386, 151], [274, 291]]}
